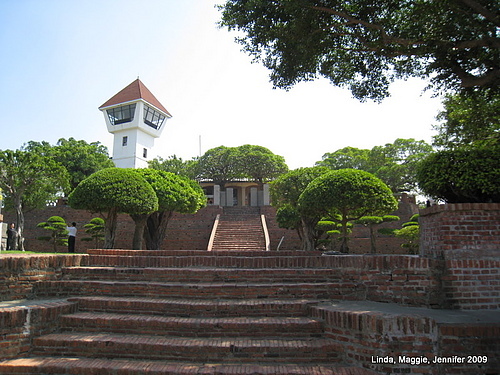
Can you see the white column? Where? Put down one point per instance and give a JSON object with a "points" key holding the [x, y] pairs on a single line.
{"points": [[216, 195]]}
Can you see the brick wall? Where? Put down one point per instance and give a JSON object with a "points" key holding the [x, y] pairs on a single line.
{"points": [[19, 273], [365, 338], [465, 230], [192, 231], [185, 231], [467, 237], [19, 324]]}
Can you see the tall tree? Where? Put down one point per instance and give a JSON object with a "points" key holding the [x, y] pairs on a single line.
{"points": [[220, 165], [175, 165], [111, 191], [29, 180], [259, 163], [468, 118], [348, 194], [80, 158], [175, 194], [394, 163], [365, 45], [285, 193]]}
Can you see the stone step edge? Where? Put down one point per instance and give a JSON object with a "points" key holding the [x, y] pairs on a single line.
{"points": [[196, 307], [84, 366], [189, 326]]}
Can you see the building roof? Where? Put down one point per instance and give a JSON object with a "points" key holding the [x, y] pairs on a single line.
{"points": [[136, 90]]}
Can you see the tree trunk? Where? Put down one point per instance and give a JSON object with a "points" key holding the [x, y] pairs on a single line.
{"points": [[308, 233], [156, 229], [140, 224], [110, 229], [19, 242], [344, 246], [373, 245]]}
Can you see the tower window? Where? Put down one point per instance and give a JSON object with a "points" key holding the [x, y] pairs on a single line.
{"points": [[122, 114], [145, 153], [153, 118], [124, 141]]}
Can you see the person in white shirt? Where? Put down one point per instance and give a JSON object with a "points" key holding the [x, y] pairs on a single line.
{"points": [[71, 237]]}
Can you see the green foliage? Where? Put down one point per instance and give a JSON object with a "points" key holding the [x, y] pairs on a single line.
{"points": [[123, 190], [471, 117], [348, 193], [411, 235], [95, 229], [80, 158], [175, 194], [285, 193], [29, 180], [177, 166], [223, 164], [462, 175], [259, 163], [57, 226], [220, 165], [394, 163], [111, 191], [365, 45], [371, 222]]}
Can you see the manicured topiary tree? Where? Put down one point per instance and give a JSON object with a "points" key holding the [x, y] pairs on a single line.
{"points": [[285, 193], [468, 174], [111, 191], [95, 229], [58, 236], [371, 222], [348, 193], [175, 194]]}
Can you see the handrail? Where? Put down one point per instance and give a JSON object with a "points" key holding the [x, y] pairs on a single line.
{"points": [[212, 234], [266, 233]]}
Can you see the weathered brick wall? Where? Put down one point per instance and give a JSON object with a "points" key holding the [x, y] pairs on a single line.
{"points": [[369, 339], [19, 273], [184, 232], [467, 237], [19, 324], [192, 231], [464, 230]]}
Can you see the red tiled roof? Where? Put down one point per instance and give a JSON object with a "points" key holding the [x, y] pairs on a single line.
{"points": [[136, 90]]}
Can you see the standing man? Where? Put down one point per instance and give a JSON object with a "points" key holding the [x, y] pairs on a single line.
{"points": [[71, 237], [11, 237]]}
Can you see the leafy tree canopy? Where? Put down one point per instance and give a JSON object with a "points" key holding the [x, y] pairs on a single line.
{"points": [[223, 164], [29, 180], [365, 45], [468, 118], [111, 191], [467, 174], [394, 163], [177, 166], [348, 194], [122, 190], [80, 158]]}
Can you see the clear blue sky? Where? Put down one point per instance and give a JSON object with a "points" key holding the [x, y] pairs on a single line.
{"points": [[61, 59]]}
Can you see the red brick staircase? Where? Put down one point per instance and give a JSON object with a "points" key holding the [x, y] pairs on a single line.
{"points": [[240, 228], [188, 312]]}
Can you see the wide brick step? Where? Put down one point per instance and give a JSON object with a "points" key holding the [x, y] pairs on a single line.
{"points": [[241, 259], [193, 327], [191, 275], [197, 308], [110, 345], [86, 366], [227, 290], [196, 253]]}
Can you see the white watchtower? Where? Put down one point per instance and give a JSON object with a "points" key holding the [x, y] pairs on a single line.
{"points": [[136, 118]]}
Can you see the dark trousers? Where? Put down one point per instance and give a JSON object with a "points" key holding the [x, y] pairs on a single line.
{"points": [[71, 244]]}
